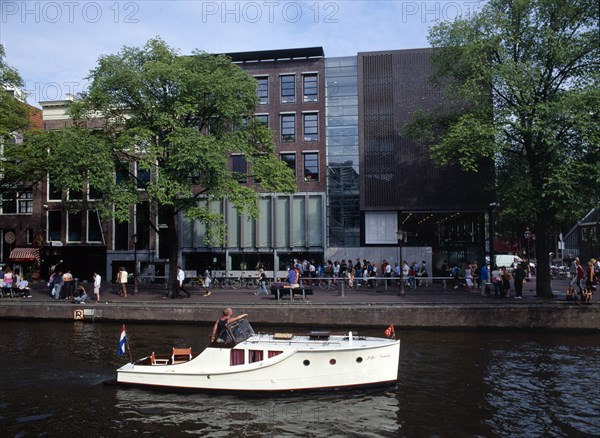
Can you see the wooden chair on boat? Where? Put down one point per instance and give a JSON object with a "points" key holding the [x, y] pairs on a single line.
{"points": [[181, 355], [159, 361]]}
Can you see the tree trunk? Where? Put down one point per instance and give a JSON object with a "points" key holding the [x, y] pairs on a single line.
{"points": [[173, 242], [542, 253]]}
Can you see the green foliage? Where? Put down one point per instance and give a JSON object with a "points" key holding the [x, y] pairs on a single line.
{"points": [[180, 118], [22, 164], [13, 113], [526, 75]]}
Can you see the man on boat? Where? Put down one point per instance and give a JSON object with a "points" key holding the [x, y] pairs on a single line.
{"points": [[218, 332]]}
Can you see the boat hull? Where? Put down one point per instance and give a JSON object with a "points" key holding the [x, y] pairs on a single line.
{"points": [[297, 366]]}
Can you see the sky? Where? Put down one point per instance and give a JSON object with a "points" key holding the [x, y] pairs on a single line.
{"points": [[55, 44]]}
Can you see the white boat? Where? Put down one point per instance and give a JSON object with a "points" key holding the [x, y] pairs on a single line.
{"points": [[249, 362]]}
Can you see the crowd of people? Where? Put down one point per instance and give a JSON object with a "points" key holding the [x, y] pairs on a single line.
{"points": [[12, 283], [358, 273], [584, 277], [61, 286]]}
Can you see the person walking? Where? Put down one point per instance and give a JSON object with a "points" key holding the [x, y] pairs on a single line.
{"points": [[122, 280], [262, 283], [207, 281], [180, 280]]}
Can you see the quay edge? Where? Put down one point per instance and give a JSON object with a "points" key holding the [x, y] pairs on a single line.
{"points": [[551, 315]]}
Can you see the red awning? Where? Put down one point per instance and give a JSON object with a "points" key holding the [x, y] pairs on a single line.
{"points": [[24, 255]]}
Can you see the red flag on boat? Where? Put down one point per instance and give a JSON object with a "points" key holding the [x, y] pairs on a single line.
{"points": [[389, 332], [122, 342]]}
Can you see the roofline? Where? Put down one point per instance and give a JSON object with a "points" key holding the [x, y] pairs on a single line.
{"points": [[277, 55]]}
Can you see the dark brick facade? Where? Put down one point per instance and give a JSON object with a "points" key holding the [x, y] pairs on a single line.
{"points": [[397, 173], [266, 64]]}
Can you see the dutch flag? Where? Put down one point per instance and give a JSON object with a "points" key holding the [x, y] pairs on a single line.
{"points": [[122, 342]]}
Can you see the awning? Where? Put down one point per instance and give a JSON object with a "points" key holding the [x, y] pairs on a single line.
{"points": [[24, 255]]}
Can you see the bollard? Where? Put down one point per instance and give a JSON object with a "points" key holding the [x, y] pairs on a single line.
{"points": [[342, 288]]}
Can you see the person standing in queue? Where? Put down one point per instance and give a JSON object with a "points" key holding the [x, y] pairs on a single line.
{"points": [[519, 275], [122, 279], [67, 291], [97, 282], [218, 332]]}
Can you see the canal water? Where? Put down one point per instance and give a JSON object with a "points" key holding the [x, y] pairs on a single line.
{"points": [[451, 384]]}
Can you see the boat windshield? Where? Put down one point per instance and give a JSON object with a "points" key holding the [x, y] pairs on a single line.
{"points": [[238, 331]]}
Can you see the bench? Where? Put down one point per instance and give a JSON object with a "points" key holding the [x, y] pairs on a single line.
{"points": [[278, 291]]}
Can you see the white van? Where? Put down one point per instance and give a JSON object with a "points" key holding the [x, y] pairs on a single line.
{"points": [[506, 260]]}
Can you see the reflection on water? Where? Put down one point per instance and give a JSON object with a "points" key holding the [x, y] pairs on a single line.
{"points": [[337, 414], [473, 384]]}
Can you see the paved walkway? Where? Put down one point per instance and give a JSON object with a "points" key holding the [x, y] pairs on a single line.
{"points": [[434, 293]]}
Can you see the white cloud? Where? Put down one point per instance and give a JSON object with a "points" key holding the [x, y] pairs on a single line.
{"points": [[54, 44]]}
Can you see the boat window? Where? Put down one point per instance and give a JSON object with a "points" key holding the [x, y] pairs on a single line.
{"points": [[306, 362], [273, 353], [236, 357], [332, 361], [238, 331], [255, 356], [358, 359]]}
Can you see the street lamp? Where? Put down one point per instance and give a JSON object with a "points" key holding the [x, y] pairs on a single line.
{"points": [[135, 268], [401, 236], [527, 235]]}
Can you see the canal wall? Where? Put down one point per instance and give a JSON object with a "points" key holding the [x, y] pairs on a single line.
{"points": [[552, 315]]}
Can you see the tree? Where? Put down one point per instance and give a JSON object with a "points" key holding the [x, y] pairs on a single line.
{"points": [[22, 165], [179, 117], [525, 74]]}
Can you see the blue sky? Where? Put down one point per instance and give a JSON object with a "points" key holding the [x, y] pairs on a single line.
{"points": [[54, 44]]}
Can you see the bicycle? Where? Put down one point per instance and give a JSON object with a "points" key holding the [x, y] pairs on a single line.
{"points": [[249, 281]]}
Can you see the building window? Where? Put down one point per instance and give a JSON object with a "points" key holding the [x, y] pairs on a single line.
{"points": [[288, 88], [288, 128], [121, 235], [142, 225], [262, 118], [94, 227], [74, 227], [262, 90], [25, 203], [290, 160], [239, 167], [142, 176], [75, 195], [121, 173], [54, 225], [311, 126], [54, 192], [310, 87], [94, 193], [311, 166], [13, 203]]}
